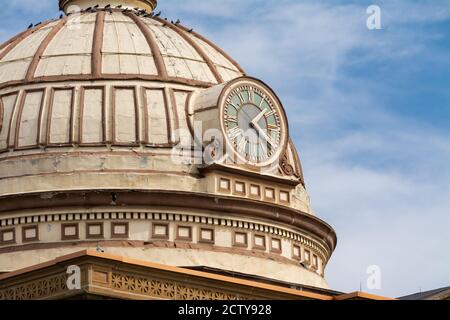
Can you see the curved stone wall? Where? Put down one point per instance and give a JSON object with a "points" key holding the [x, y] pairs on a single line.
{"points": [[201, 239]]}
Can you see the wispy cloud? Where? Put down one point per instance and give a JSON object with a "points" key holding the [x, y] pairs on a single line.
{"points": [[375, 167]]}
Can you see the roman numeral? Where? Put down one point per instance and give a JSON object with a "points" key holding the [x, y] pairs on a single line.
{"points": [[232, 119], [232, 105], [233, 133], [251, 96], [242, 144], [261, 103], [272, 143], [241, 97], [269, 113], [254, 151], [263, 148]]}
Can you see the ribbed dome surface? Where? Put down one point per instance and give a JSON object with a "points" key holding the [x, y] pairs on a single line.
{"points": [[117, 45]]}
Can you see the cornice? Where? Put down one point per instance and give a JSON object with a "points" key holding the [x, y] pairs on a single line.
{"points": [[177, 200]]}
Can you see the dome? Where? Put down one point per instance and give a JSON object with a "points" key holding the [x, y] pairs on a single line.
{"points": [[109, 125], [117, 45]]}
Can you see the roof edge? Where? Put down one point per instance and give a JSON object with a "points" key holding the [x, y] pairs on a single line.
{"points": [[153, 265]]}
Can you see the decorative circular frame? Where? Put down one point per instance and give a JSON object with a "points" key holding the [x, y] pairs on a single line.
{"points": [[268, 92]]}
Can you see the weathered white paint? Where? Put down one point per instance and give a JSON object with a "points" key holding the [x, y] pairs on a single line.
{"points": [[60, 118], [92, 129], [29, 120], [8, 105], [125, 116], [156, 116]]}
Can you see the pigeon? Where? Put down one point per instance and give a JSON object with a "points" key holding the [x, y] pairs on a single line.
{"points": [[30, 26], [107, 6], [158, 14], [119, 6], [61, 16], [178, 21]]}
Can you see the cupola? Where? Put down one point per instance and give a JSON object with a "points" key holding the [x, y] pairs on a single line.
{"points": [[70, 6]]}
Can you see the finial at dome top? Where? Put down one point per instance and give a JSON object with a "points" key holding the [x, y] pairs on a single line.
{"points": [[70, 6]]}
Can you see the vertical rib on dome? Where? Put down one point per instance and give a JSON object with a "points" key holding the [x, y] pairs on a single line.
{"points": [[197, 48], [159, 60], [13, 42], [96, 63], [34, 63]]}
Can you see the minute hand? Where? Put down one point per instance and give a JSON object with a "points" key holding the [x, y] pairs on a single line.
{"points": [[265, 136], [258, 117]]}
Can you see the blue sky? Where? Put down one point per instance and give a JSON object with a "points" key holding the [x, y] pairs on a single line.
{"points": [[368, 110]]}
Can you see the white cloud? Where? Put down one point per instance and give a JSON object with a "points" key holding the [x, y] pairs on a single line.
{"points": [[384, 218]]}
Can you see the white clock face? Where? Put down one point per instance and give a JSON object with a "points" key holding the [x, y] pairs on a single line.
{"points": [[254, 123]]}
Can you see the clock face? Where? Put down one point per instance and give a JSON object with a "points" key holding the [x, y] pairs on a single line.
{"points": [[254, 123]]}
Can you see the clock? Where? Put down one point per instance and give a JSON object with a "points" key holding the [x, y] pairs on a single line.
{"points": [[253, 122]]}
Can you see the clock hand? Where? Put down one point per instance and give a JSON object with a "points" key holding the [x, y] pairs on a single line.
{"points": [[265, 136], [259, 116]]}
